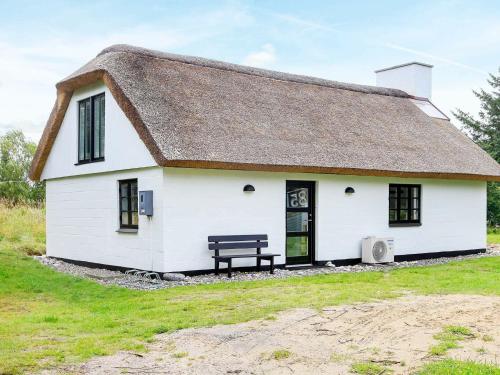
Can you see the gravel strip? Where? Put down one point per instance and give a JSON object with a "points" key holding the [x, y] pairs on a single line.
{"points": [[108, 277]]}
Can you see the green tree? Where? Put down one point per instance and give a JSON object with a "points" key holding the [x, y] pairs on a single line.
{"points": [[485, 131], [16, 153]]}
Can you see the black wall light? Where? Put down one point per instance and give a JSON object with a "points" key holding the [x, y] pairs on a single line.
{"points": [[248, 188], [349, 190]]}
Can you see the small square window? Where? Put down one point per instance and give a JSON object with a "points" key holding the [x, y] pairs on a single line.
{"points": [[404, 204]]}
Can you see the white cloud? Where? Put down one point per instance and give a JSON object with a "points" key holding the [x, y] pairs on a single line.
{"points": [[265, 57]]}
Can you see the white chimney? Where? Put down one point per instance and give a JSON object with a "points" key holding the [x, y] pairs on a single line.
{"points": [[414, 78]]}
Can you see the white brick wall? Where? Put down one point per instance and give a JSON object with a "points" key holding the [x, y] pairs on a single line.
{"points": [[199, 203], [82, 219]]}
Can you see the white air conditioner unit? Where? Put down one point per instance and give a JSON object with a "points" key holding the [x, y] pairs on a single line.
{"points": [[377, 250]]}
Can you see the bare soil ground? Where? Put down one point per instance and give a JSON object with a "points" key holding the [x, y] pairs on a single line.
{"points": [[394, 333]]}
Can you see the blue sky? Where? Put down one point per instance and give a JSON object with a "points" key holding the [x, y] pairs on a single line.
{"points": [[43, 41]]}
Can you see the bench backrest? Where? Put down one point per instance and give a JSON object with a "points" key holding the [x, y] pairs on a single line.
{"points": [[246, 241]]}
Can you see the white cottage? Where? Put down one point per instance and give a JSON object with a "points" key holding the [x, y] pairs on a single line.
{"points": [[225, 149]]}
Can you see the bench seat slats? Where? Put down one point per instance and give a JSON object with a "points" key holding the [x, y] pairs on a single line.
{"points": [[244, 237], [237, 245], [245, 256]]}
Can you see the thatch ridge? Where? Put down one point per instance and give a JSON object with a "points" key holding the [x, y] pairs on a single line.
{"points": [[282, 76]]}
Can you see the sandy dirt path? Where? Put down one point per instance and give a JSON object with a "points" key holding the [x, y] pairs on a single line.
{"points": [[395, 333]]}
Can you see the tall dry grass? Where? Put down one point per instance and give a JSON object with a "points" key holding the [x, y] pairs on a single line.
{"points": [[22, 227]]}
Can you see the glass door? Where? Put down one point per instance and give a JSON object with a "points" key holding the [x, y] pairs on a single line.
{"points": [[299, 222]]}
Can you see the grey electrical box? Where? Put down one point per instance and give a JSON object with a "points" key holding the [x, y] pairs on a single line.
{"points": [[146, 202]]}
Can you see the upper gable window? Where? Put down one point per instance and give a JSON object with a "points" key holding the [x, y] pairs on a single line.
{"points": [[91, 129]]}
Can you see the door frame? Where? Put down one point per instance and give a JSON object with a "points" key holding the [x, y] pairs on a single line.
{"points": [[311, 185]]}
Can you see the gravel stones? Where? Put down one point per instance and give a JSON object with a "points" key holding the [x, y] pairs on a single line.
{"points": [[108, 277]]}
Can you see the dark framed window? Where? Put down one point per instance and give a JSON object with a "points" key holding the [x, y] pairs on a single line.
{"points": [[129, 217], [405, 204], [91, 125]]}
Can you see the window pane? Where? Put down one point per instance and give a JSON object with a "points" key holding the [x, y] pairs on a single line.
{"points": [[124, 204], [87, 130], [101, 128], [123, 189], [97, 126], [134, 204], [404, 204], [415, 203], [404, 191], [81, 132], [414, 192], [393, 215], [393, 203], [124, 218], [297, 246], [98, 130], [297, 221], [403, 215], [133, 189], [393, 191], [135, 218], [414, 215]]}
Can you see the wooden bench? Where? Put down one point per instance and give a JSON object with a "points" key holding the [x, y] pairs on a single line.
{"points": [[249, 241]]}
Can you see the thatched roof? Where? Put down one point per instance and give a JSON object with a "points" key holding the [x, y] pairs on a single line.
{"points": [[193, 112]]}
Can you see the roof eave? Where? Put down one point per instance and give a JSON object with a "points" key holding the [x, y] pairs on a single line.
{"points": [[203, 164]]}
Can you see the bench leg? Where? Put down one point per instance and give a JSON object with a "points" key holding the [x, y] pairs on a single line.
{"points": [[229, 263], [216, 267], [258, 264], [271, 264]]}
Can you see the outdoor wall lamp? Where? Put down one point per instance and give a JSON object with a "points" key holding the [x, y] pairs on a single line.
{"points": [[248, 188], [349, 190]]}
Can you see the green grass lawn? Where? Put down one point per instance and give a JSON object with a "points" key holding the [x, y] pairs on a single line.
{"points": [[48, 318]]}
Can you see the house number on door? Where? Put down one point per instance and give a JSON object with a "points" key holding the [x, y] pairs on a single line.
{"points": [[297, 198]]}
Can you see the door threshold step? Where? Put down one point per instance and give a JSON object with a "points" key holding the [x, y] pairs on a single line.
{"points": [[298, 266]]}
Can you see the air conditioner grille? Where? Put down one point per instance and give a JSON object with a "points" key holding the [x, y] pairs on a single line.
{"points": [[379, 250]]}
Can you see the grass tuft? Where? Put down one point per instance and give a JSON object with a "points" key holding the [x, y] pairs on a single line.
{"points": [[281, 354], [368, 368], [180, 354], [487, 338], [459, 332], [449, 338], [441, 348]]}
